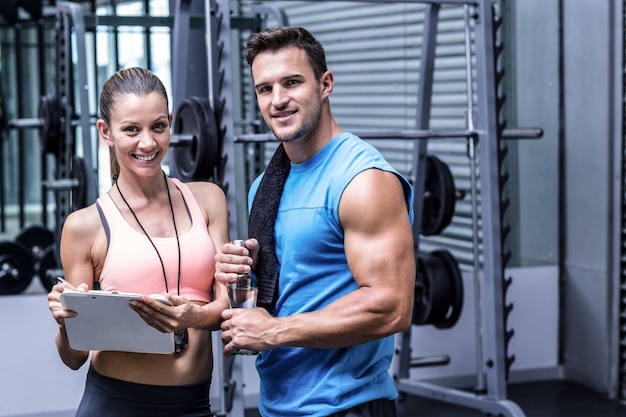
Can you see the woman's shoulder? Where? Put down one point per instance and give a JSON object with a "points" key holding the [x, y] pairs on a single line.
{"points": [[204, 187], [84, 219], [207, 193]]}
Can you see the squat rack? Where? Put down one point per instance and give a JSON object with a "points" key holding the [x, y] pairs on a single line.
{"points": [[492, 312]]}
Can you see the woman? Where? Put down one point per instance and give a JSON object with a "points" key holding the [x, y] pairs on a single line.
{"points": [[147, 234]]}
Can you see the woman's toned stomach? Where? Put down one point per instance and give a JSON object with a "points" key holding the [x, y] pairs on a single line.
{"points": [[191, 365]]}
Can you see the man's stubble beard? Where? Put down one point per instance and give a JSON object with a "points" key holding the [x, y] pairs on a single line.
{"points": [[308, 124]]}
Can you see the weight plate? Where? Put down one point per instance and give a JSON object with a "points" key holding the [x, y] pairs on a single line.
{"points": [[36, 238], [189, 120], [79, 192], [50, 131], [441, 291], [421, 304], [426, 290], [16, 268], [456, 292], [439, 197], [212, 138]]}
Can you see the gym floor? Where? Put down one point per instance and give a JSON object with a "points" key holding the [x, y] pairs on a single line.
{"points": [[537, 399]]}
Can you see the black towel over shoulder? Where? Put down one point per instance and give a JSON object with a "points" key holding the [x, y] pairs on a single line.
{"points": [[261, 226]]}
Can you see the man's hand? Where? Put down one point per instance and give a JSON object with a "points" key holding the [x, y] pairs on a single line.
{"points": [[249, 328], [232, 260]]}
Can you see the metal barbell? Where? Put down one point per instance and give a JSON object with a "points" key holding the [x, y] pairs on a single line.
{"points": [[48, 123], [35, 122], [517, 133]]}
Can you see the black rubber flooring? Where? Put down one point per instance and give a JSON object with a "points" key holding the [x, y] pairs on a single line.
{"points": [[536, 399]]}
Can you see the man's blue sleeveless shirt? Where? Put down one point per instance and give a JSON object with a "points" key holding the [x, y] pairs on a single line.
{"points": [[314, 273]]}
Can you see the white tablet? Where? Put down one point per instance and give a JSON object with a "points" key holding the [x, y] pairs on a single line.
{"points": [[105, 321]]}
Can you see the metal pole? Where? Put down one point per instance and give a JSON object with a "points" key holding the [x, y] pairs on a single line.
{"points": [[180, 56], [493, 312], [41, 47], [422, 121], [471, 153], [20, 145], [77, 18]]}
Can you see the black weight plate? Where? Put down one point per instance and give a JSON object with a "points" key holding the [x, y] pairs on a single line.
{"points": [[36, 238], [439, 197], [191, 160], [50, 131], [455, 284], [17, 267], [441, 291], [211, 136], [449, 192], [47, 263], [423, 303], [188, 120], [79, 173]]}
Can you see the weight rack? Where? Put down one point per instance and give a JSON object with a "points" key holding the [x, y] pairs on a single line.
{"points": [[492, 337]]}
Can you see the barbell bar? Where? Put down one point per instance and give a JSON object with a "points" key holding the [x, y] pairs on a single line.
{"points": [[77, 184], [36, 122], [62, 184], [49, 123], [183, 139], [516, 133]]}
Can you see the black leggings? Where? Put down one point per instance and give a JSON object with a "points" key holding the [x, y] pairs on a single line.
{"points": [[376, 408], [109, 397]]}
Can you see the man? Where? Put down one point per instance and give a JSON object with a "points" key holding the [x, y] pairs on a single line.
{"points": [[330, 244]]}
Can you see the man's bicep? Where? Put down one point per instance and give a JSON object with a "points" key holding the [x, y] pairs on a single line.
{"points": [[378, 235]]}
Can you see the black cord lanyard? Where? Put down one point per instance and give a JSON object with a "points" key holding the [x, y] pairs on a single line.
{"points": [[148, 236]]}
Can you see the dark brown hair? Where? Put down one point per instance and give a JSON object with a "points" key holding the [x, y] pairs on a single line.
{"points": [[274, 39]]}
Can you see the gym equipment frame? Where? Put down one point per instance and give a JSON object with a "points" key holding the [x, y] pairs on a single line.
{"points": [[492, 336]]}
